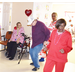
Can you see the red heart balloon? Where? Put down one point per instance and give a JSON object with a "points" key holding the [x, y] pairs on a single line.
{"points": [[28, 12]]}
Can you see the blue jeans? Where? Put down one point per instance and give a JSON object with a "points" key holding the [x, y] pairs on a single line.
{"points": [[34, 54]]}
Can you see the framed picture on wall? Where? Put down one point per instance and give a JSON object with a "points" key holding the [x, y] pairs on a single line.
{"points": [[47, 7], [46, 16]]}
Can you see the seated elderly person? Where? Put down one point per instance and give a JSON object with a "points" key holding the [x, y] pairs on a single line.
{"points": [[16, 39]]}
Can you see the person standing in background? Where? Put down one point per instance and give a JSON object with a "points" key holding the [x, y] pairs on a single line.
{"points": [[54, 20], [51, 28]]}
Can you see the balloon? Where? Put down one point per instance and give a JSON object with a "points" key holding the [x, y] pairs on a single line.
{"points": [[28, 12]]}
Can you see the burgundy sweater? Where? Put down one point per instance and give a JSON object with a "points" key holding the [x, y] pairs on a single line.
{"points": [[40, 33]]}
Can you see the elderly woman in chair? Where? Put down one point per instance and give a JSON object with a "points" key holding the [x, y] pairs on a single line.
{"points": [[16, 40]]}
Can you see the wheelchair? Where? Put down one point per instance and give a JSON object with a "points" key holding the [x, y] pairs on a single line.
{"points": [[23, 47]]}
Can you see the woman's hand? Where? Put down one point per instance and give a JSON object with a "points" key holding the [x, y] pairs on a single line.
{"points": [[18, 40], [62, 51], [9, 40]]}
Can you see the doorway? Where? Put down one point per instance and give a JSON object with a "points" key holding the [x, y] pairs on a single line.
{"points": [[5, 18]]}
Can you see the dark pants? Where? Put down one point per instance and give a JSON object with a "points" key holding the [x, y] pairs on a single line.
{"points": [[11, 48]]}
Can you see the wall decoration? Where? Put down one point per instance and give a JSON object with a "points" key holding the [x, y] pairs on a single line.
{"points": [[37, 16], [42, 11], [46, 16], [28, 12], [47, 7], [37, 8], [46, 23], [70, 18]]}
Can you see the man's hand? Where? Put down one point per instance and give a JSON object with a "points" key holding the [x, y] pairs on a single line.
{"points": [[9, 40], [45, 43]]}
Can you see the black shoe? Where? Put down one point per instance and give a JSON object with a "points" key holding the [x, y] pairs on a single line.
{"points": [[31, 63], [35, 69], [11, 58], [8, 57]]}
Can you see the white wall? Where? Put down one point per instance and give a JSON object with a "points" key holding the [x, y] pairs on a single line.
{"points": [[18, 14], [60, 8], [42, 9]]}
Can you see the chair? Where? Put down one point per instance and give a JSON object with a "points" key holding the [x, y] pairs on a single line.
{"points": [[6, 39]]}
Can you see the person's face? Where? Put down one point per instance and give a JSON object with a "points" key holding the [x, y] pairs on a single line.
{"points": [[61, 27], [19, 26], [54, 17], [34, 23]]}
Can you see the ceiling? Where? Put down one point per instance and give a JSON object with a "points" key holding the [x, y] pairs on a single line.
{"points": [[63, 2]]}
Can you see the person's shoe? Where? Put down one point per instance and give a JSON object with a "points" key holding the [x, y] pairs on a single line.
{"points": [[31, 63], [8, 57], [11, 58], [35, 69], [41, 60]]}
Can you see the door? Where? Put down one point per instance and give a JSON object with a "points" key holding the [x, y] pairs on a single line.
{"points": [[5, 17]]}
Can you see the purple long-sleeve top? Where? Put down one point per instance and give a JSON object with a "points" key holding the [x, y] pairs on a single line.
{"points": [[40, 33]]}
